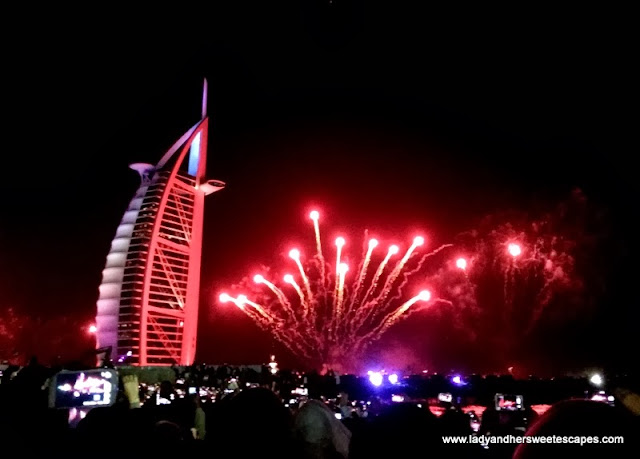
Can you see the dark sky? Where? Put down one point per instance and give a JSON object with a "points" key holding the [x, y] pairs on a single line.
{"points": [[384, 117]]}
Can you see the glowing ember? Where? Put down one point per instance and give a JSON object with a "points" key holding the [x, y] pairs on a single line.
{"points": [[322, 318], [461, 263], [514, 250]]}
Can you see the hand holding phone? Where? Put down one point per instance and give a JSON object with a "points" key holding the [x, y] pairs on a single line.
{"points": [[131, 390]]}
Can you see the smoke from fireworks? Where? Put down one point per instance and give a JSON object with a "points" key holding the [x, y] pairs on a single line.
{"points": [[326, 312], [517, 277]]}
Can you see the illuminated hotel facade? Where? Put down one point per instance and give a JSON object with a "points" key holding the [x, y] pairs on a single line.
{"points": [[147, 310]]}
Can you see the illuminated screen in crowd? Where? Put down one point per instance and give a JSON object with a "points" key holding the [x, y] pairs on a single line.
{"points": [[87, 388]]}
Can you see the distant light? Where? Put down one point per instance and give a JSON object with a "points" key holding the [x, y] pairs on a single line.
{"points": [[343, 268], [419, 405], [93, 329], [424, 295], [611, 398], [514, 250], [393, 249], [596, 379], [340, 241], [288, 278], [457, 380], [258, 279], [373, 243], [375, 377], [338, 416], [397, 398], [181, 323], [314, 215], [294, 253], [393, 378], [418, 240], [129, 353], [224, 298], [461, 263]]}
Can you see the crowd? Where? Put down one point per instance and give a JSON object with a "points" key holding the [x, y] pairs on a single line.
{"points": [[247, 415]]}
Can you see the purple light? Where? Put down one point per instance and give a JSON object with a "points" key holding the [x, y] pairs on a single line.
{"points": [[393, 378], [457, 380]]}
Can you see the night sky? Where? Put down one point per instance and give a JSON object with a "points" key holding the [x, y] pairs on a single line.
{"points": [[385, 118]]}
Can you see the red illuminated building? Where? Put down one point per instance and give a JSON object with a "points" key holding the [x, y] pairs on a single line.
{"points": [[147, 311]]}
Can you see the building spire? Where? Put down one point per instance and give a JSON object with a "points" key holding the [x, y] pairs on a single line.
{"points": [[204, 99]]}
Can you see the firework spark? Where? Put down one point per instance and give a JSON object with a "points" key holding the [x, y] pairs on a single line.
{"points": [[331, 316]]}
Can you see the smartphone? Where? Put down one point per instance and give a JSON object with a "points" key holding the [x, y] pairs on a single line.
{"points": [[445, 397], [83, 389], [509, 402], [193, 390]]}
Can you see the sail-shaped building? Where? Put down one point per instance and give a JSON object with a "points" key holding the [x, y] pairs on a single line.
{"points": [[147, 310]]}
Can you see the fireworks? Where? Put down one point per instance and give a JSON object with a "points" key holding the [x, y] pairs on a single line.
{"points": [[325, 312], [503, 279]]}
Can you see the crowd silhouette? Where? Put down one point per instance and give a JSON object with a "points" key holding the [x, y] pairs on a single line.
{"points": [[256, 422]]}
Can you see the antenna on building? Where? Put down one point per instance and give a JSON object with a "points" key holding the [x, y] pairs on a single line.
{"points": [[204, 98]]}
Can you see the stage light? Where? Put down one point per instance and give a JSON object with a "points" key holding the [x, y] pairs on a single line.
{"points": [[596, 379], [375, 377]]}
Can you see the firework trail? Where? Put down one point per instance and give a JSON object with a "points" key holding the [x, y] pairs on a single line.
{"points": [[315, 216], [362, 313], [284, 302], [329, 320]]}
